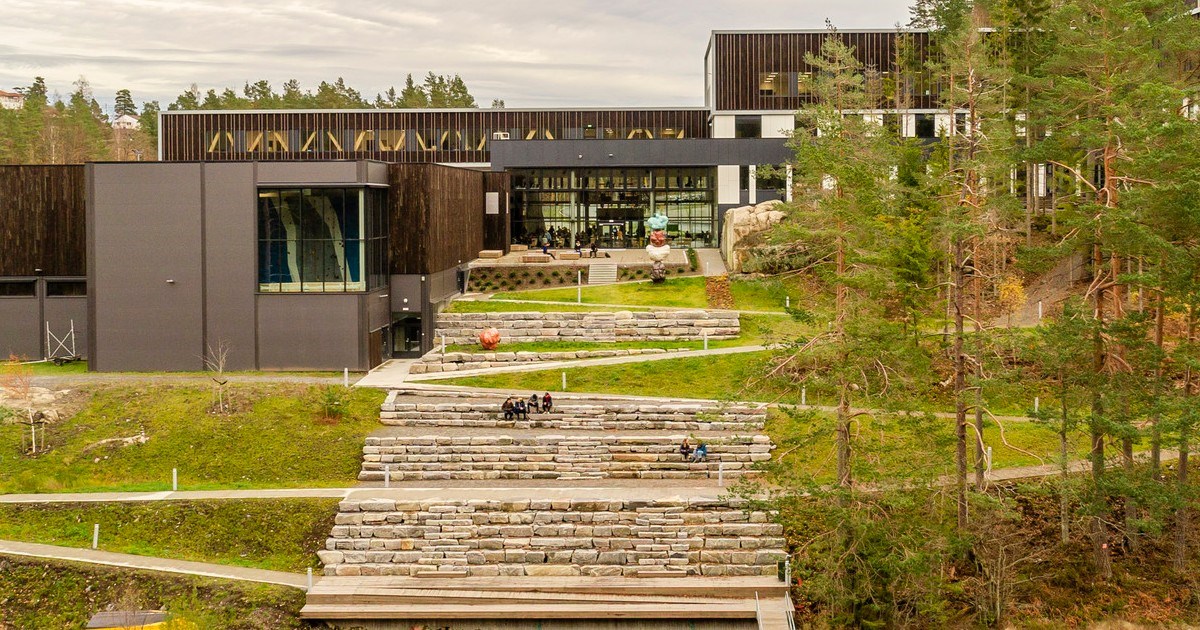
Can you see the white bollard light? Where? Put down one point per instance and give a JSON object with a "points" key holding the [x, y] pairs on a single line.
{"points": [[346, 377], [803, 395], [443, 344], [720, 473], [1039, 310], [787, 301], [579, 287], [564, 381], [95, 535], [174, 480], [1036, 403], [387, 476], [310, 578], [705, 333]]}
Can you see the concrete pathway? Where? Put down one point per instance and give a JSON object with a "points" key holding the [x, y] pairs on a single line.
{"points": [[609, 305], [711, 263], [578, 363], [387, 374], [147, 563], [182, 495]]}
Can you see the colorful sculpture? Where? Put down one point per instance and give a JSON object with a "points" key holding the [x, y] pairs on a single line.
{"points": [[489, 338], [658, 248]]}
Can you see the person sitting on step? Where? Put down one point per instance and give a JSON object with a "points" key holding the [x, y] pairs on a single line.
{"points": [[685, 450], [533, 403], [507, 408], [547, 403], [700, 454], [521, 410]]}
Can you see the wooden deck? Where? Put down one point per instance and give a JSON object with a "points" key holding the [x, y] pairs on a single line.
{"points": [[561, 598]]}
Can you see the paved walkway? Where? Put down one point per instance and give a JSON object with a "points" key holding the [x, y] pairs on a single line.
{"points": [[608, 305], [182, 495], [147, 563], [388, 374], [711, 263], [534, 366]]}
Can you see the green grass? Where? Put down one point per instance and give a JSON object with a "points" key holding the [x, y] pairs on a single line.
{"points": [[675, 292], [46, 368], [275, 534], [718, 377], [274, 439], [890, 448], [741, 377], [52, 594], [489, 306]]}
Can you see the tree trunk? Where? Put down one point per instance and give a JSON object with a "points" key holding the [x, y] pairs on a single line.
{"points": [[1064, 518], [1131, 509], [1155, 430], [980, 464], [1183, 516], [1099, 534], [843, 440], [960, 378]]}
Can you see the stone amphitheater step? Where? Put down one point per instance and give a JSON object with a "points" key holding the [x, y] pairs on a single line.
{"points": [[401, 409], [602, 273], [549, 537], [573, 456]]}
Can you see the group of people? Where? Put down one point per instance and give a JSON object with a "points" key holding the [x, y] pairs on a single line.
{"points": [[517, 407], [693, 455]]}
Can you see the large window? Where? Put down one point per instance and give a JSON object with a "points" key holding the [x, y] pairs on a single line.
{"points": [[610, 206], [321, 239], [747, 126]]}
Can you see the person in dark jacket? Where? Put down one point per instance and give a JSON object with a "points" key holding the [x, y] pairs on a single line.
{"points": [[547, 403]]}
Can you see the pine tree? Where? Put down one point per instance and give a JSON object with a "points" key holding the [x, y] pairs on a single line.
{"points": [[123, 104], [413, 95]]}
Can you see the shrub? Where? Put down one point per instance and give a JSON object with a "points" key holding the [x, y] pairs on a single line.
{"points": [[331, 402]]}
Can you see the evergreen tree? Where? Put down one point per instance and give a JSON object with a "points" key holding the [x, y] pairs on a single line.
{"points": [[413, 95], [124, 105]]}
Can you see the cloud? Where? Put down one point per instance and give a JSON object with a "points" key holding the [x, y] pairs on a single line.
{"points": [[527, 52]]}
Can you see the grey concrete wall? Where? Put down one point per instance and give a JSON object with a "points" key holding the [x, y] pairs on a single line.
{"points": [[405, 287], [615, 153], [61, 311], [308, 172], [20, 330], [230, 261], [590, 326], [379, 309], [310, 331], [145, 266]]}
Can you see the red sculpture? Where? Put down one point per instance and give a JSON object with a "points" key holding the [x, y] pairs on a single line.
{"points": [[489, 338], [658, 238]]}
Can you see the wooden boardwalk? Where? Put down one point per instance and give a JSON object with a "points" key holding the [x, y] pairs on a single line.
{"points": [[761, 602]]}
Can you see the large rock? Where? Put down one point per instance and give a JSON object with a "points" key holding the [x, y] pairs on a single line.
{"points": [[744, 223]]}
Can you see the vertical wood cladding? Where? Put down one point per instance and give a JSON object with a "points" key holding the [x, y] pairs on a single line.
{"points": [[740, 59], [42, 214], [436, 215], [496, 227], [403, 136]]}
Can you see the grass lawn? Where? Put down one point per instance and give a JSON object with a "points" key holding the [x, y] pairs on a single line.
{"points": [[885, 447], [274, 438], [488, 306], [52, 594], [675, 292], [276, 534], [741, 377]]}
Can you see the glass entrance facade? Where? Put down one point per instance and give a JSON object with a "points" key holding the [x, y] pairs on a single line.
{"points": [[611, 206]]}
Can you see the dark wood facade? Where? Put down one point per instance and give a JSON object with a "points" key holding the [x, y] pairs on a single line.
{"points": [[437, 216], [42, 220], [403, 136], [740, 62]]}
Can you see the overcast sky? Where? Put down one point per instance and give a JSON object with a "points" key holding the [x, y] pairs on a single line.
{"points": [[531, 53]]}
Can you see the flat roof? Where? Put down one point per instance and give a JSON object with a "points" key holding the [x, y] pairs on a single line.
{"points": [[429, 110]]}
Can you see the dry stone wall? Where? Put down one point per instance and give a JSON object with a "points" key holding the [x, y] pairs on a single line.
{"points": [[589, 326], [484, 411], [454, 361], [551, 537], [433, 457]]}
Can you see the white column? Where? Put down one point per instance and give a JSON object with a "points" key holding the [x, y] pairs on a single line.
{"points": [[727, 185], [753, 184], [787, 192]]}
